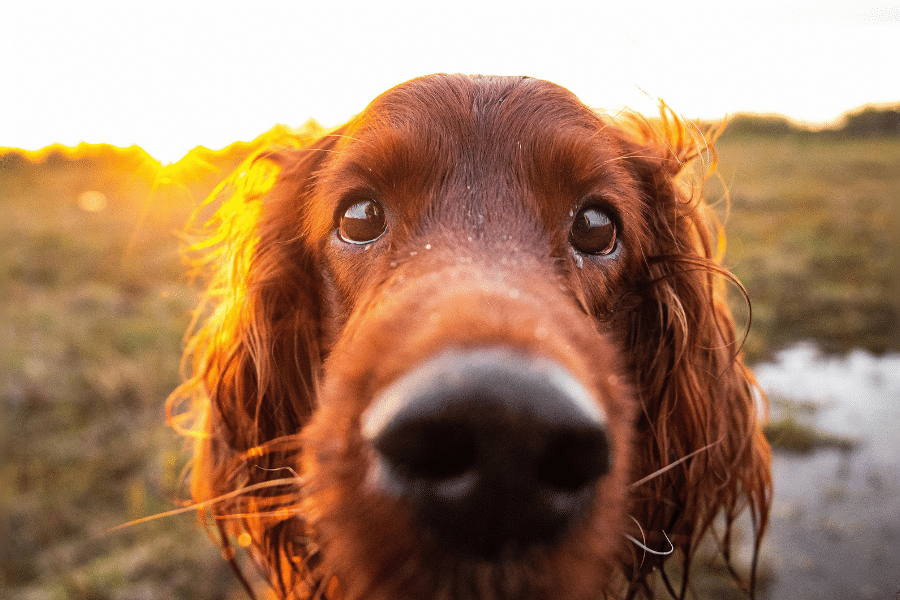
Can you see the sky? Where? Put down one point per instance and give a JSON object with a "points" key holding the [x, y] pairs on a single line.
{"points": [[171, 75]]}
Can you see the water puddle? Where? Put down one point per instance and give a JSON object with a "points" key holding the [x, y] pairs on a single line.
{"points": [[835, 529]]}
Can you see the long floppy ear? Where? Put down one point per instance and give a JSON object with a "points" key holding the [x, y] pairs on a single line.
{"points": [[255, 355], [699, 442]]}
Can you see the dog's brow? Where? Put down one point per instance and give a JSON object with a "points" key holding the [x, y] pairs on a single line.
{"points": [[385, 157]]}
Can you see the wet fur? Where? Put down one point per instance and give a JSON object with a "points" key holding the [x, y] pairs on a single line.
{"points": [[480, 177]]}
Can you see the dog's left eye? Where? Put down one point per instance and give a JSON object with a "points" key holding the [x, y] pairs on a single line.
{"points": [[363, 222], [594, 232]]}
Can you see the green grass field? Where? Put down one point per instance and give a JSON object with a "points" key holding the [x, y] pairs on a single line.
{"points": [[93, 306], [813, 235], [94, 302]]}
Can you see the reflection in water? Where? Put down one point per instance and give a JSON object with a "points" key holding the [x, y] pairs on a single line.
{"points": [[835, 530]]}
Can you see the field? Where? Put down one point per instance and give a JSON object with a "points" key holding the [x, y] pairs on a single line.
{"points": [[94, 304], [94, 301], [813, 235]]}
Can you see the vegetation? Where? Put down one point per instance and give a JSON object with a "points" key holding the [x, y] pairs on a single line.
{"points": [[94, 301], [867, 122], [812, 228], [93, 306], [793, 431]]}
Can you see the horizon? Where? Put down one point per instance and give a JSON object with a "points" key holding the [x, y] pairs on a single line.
{"points": [[83, 148], [173, 76]]}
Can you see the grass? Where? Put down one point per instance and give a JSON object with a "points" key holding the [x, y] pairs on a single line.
{"points": [[812, 230], [793, 432], [791, 435], [93, 306], [94, 303]]}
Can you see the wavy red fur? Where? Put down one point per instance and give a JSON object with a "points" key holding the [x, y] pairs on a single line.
{"points": [[479, 179]]}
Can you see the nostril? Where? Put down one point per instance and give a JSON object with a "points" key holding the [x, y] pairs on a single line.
{"points": [[429, 450], [574, 459]]}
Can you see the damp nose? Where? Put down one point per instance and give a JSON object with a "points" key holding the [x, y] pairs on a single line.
{"points": [[492, 449]]}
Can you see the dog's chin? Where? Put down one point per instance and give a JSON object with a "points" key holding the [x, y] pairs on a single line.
{"points": [[412, 564], [371, 563]]}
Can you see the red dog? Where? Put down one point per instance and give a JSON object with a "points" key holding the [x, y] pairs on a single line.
{"points": [[472, 345]]}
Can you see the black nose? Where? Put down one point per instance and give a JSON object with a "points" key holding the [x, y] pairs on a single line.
{"points": [[493, 450]]}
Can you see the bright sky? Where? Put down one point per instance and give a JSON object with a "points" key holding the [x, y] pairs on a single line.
{"points": [[170, 75]]}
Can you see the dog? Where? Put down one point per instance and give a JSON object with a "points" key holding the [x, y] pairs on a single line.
{"points": [[472, 344]]}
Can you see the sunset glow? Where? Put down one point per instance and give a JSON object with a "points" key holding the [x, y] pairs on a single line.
{"points": [[171, 76]]}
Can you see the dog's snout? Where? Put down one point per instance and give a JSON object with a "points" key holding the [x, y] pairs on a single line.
{"points": [[493, 450]]}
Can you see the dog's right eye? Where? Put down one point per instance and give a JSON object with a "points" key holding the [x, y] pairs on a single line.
{"points": [[362, 223], [594, 232]]}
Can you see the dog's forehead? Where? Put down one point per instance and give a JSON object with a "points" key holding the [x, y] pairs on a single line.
{"points": [[466, 105], [465, 131]]}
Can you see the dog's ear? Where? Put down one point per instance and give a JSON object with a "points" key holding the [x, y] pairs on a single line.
{"points": [[255, 354], [699, 400]]}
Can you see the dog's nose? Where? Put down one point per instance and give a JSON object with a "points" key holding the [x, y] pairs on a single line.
{"points": [[493, 450]]}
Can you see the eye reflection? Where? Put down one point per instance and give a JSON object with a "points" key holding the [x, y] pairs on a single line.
{"points": [[363, 222], [594, 232]]}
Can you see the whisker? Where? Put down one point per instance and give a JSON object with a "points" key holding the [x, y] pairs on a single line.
{"points": [[650, 550], [211, 502], [672, 465]]}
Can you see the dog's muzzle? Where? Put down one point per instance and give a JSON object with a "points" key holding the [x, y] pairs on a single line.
{"points": [[494, 451]]}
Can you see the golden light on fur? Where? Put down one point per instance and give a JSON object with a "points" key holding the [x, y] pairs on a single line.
{"points": [[478, 179]]}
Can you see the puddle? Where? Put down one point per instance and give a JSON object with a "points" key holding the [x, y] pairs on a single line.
{"points": [[835, 528]]}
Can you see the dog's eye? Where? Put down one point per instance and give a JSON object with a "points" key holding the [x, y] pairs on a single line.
{"points": [[363, 222], [593, 232]]}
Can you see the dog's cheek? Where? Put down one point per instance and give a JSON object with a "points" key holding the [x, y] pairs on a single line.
{"points": [[363, 538]]}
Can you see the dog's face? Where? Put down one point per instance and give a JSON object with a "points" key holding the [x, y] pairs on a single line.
{"points": [[484, 311], [475, 242]]}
